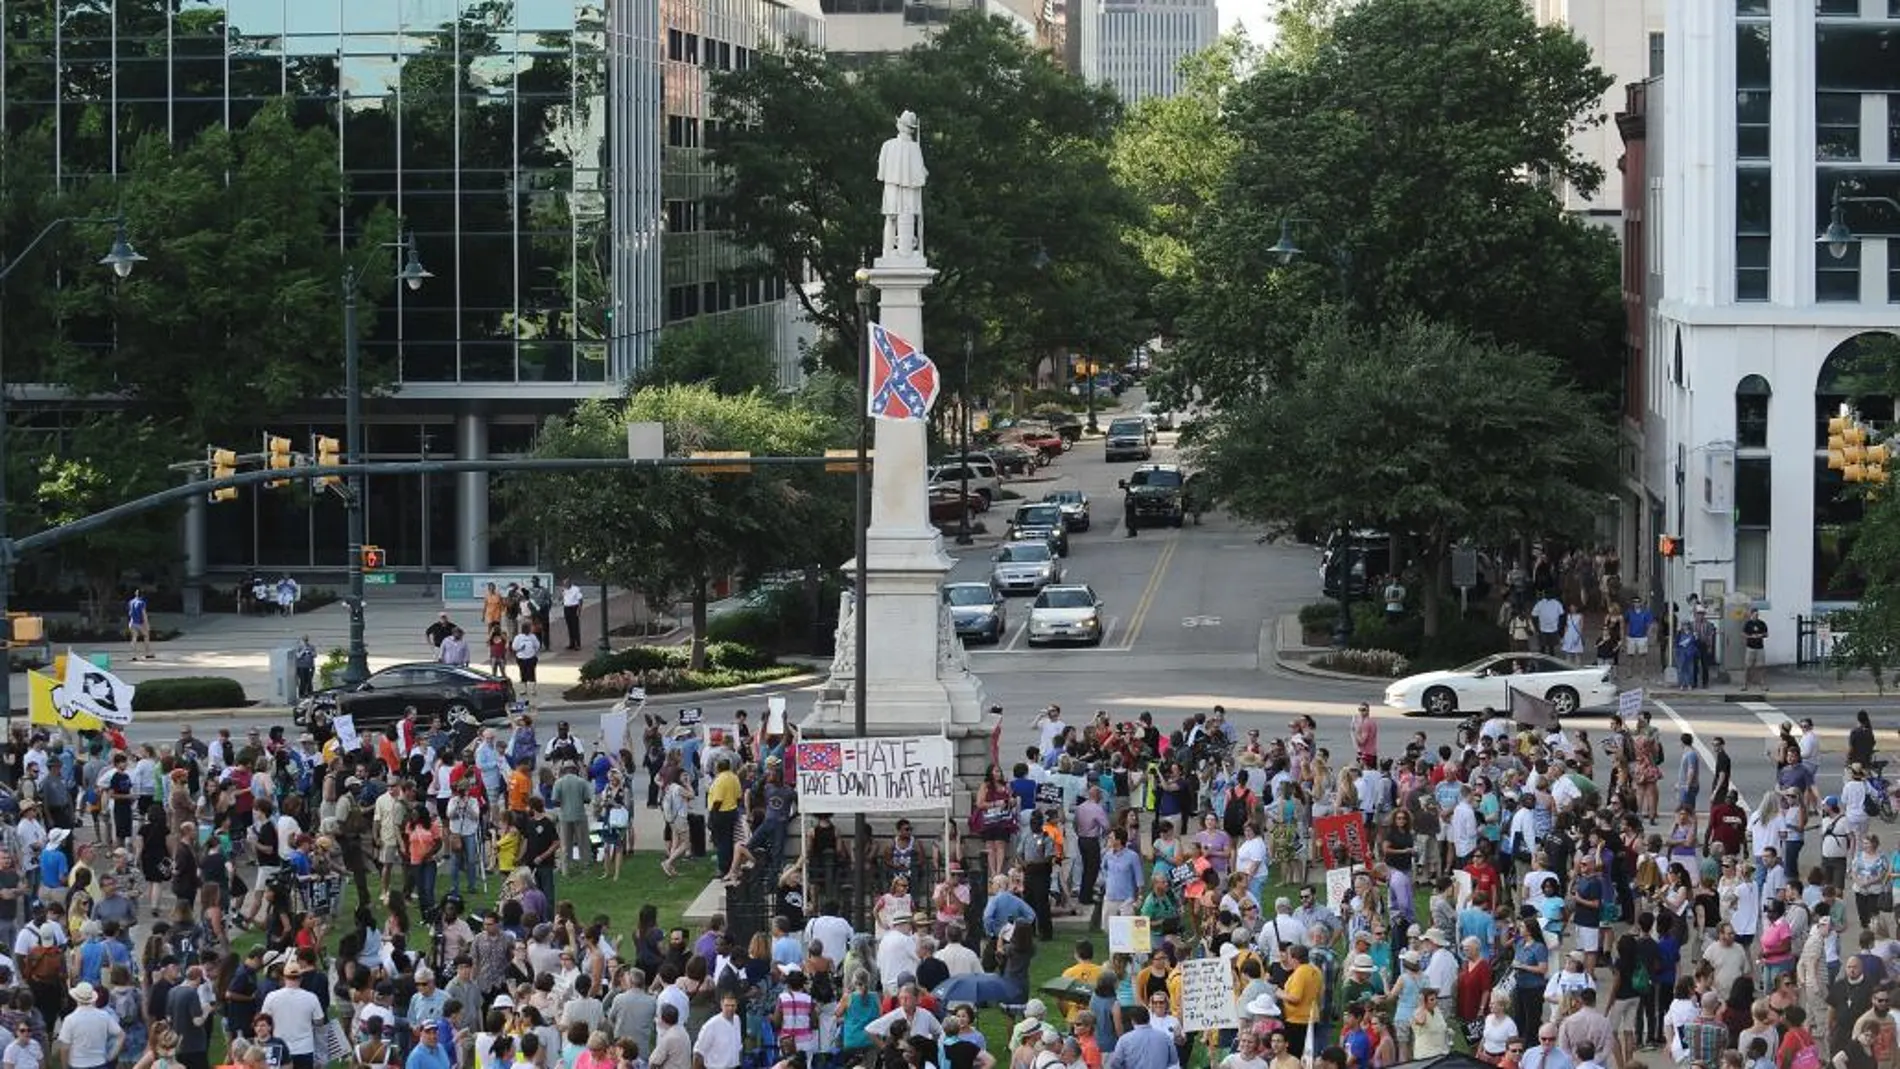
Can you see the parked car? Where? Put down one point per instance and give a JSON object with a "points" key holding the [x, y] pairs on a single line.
{"points": [[1066, 613], [1047, 442], [435, 690], [1164, 419], [977, 611], [949, 506], [984, 480], [1487, 682], [1014, 459], [1025, 567], [1127, 439], [1075, 505], [1043, 521]]}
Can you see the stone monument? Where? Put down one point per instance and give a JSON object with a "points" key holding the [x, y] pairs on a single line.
{"points": [[917, 679]]}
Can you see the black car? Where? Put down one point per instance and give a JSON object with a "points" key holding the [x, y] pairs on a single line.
{"points": [[1041, 521], [451, 693], [1154, 492]]}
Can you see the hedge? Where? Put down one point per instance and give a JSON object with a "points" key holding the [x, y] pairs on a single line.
{"points": [[675, 681], [188, 692], [720, 656]]}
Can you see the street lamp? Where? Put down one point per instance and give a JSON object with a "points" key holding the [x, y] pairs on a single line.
{"points": [[964, 537], [121, 258], [413, 274], [1837, 237], [860, 643]]}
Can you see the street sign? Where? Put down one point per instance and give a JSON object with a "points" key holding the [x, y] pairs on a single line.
{"points": [[1464, 567], [379, 578]]}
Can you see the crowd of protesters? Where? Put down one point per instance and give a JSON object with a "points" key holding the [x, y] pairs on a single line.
{"points": [[1525, 896]]}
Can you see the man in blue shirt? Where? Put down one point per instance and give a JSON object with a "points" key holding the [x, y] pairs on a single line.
{"points": [[1142, 1047], [428, 1053], [139, 625], [55, 866], [1122, 876], [1637, 621], [1545, 1055], [1004, 908]]}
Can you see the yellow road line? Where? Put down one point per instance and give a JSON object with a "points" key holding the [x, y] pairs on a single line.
{"points": [[1140, 615]]}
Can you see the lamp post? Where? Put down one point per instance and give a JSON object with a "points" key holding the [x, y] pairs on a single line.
{"points": [[860, 640], [413, 274], [964, 537], [1093, 427], [121, 258], [1837, 237]]}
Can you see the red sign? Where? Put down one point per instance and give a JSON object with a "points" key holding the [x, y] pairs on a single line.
{"points": [[1342, 840]]}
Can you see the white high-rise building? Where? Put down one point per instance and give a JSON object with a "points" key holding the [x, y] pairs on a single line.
{"points": [[1771, 109], [1626, 37], [1141, 43]]}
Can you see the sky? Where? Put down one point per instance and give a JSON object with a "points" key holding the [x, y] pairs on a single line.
{"points": [[1254, 16]]}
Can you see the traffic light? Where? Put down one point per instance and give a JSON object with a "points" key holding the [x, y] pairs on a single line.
{"points": [[1669, 545], [739, 458], [329, 454], [372, 558], [278, 457], [222, 464], [1849, 453]]}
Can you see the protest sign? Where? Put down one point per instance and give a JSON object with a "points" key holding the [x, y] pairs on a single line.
{"points": [[1129, 935], [775, 715], [1342, 840], [1338, 889], [892, 775], [1629, 704], [613, 731], [689, 717], [1207, 995], [344, 725]]}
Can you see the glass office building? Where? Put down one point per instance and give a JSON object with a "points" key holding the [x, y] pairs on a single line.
{"points": [[546, 154]]}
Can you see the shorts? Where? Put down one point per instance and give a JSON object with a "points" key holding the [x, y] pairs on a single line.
{"points": [[527, 669], [1753, 658], [1639, 646], [1589, 940], [1623, 1014], [389, 855]]}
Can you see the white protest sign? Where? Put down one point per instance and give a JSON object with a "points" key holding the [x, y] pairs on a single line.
{"points": [[775, 715], [893, 775], [1629, 703], [1129, 935], [613, 731], [1207, 995], [344, 724], [1338, 889]]}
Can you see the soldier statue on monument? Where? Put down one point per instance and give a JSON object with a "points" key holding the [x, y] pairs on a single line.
{"points": [[900, 166]]}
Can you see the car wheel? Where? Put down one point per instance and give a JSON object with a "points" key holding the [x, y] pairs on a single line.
{"points": [[1175, 521], [1440, 701], [457, 710], [1563, 700], [1094, 642], [983, 500]]}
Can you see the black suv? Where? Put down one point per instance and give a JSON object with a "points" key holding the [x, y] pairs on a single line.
{"points": [[1154, 491]]}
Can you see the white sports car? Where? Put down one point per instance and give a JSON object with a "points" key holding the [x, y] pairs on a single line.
{"points": [[1484, 682]]}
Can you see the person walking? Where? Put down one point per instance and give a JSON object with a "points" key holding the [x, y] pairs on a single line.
{"points": [[138, 624], [527, 650], [571, 601], [1548, 612]]}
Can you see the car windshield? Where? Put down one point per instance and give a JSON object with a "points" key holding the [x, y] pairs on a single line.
{"points": [[1127, 426], [1064, 497], [1070, 598], [1039, 515], [1492, 662], [966, 594], [1155, 477], [1024, 553]]}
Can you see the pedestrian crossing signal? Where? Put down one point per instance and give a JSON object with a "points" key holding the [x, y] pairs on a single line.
{"points": [[372, 558], [1669, 546]]}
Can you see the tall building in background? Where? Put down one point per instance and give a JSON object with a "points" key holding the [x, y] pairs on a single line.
{"points": [[860, 30], [547, 154], [1626, 37], [1140, 43]]}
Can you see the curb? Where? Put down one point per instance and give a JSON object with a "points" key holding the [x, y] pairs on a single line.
{"points": [[1813, 697], [1301, 668], [797, 682]]}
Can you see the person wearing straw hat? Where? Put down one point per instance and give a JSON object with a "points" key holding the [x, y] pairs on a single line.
{"points": [[89, 1037]]}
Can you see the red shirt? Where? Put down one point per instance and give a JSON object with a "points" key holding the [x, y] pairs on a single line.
{"points": [[1483, 878], [1728, 825]]}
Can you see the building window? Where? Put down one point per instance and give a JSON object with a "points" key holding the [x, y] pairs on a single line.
{"points": [[1893, 271], [1893, 122], [1856, 56], [1846, 9], [1837, 126], [1751, 413], [1752, 230], [1837, 278], [1655, 55], [675, 45], [1753, 498], [1751, 9]]}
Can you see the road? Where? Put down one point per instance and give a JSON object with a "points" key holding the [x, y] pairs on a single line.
{"points": [[1191, 618]]}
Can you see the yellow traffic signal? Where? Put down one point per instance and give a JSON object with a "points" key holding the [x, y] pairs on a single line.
{"points": [[222, 463], [278, 457], [329, 454], [739, 458]]}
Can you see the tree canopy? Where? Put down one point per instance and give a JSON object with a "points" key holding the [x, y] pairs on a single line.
{"points": [[1023, 220], [720, 351], [1414, 151], [671, 534], [1417, 429]]}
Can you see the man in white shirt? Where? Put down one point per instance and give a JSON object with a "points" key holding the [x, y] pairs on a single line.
{"points": [[721, 1039], [527, 651], [571, 598], [89, 1038], [23, 1052], [1539, 872], [1563, 790], [1283, 930], [1464, 828], [1371, 791], [829, 931], [959, 959], [1048, 726], [897, 954], [672, 994], [1549, 614], [921, 1021], [1441, 968], [296, 1014]]}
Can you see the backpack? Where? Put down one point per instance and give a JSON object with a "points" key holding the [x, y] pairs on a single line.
{"points": [[1806, 1058], [44, 965], [1870, 803], [823, 988]]}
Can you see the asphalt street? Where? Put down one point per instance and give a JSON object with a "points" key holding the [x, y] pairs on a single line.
{"points": [[1192, 614]]}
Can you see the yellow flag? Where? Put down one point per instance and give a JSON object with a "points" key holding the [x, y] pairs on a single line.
{"points": [[44, 706]]}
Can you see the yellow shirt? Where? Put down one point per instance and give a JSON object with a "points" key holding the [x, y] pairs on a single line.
{"points": [[724, 792], [1299, 1002], [508, 851], [1085, 971]]}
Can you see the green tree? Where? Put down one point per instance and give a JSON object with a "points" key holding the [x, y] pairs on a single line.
{"points": [[1023, 219], [1418, 148], [671, 534], [727, 355], [1418, 429], [1870, 376], [105, 459]]}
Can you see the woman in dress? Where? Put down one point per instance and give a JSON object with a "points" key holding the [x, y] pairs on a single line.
{"points": [[893, 904], [615, 808], [996, 812], [1870, 876]]}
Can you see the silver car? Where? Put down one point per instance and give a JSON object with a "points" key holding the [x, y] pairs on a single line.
{"points": [[977, 611], [1075, 505], [1025, 568], [1069, 613]]}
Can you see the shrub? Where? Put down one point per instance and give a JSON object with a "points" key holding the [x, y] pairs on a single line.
{"points": [[333, 664], [1384, 664], [1458, 639], [757, 626], [737, 656], [1320, 615], [633, 659], [189, 692], [60, 632], [674, 681]]}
